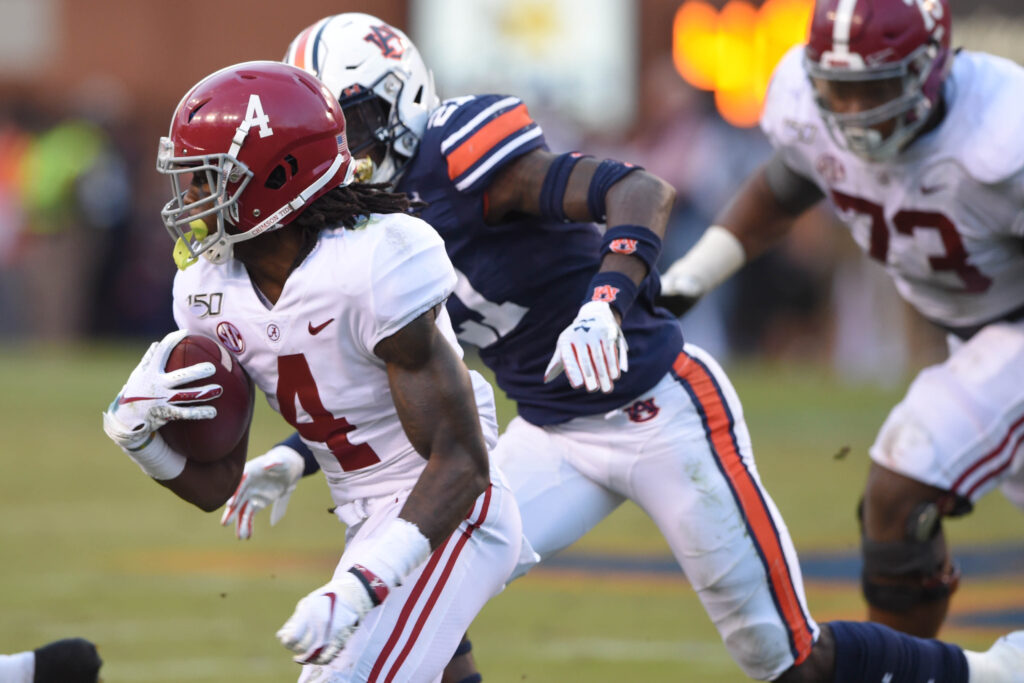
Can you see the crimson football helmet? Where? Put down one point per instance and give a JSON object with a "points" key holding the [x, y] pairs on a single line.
{"points": [[906, 42], [378, 76], [259, 141]]}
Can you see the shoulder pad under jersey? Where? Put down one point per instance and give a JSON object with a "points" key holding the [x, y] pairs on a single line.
{"points": [[476, 135]]}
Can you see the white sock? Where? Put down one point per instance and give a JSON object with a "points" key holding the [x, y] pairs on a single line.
{"points": [[18, 668]]}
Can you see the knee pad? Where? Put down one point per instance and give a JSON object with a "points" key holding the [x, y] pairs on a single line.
{"points": [[920, 562]]}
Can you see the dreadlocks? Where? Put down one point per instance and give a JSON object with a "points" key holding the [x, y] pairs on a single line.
{"points": [[345, 206]]}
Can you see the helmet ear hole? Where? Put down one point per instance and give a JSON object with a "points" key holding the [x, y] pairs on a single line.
{"points": [[282, 174], [277, 178]]}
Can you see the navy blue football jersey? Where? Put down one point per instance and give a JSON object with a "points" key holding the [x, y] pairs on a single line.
{"points": [[522, 282]]}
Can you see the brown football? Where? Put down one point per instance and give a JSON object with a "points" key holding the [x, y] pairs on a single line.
{"points": [[209, 440]]}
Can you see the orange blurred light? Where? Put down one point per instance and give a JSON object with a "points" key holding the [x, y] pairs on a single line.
{"points": [[733, 52], [693, 43]]}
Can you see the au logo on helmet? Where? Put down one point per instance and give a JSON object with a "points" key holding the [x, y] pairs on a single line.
{"points": [[382, 36]]}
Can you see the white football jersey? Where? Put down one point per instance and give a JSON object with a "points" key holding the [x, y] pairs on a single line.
{"points": [[311, 353], [946, 217]]}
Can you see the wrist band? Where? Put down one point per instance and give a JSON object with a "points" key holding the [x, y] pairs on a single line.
{"points": [[613, 288], [716, 255], [374, 585], [633, 240], [157, 459], [295, 442], [394, 552]]}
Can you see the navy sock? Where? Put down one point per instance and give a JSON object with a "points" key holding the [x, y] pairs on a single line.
{"points": [[866, 651]]}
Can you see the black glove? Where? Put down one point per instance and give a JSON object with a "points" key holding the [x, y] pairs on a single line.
{"points": [[677, 304], [72, 660]]}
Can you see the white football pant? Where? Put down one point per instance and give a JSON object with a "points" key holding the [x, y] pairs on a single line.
{"points": [[682, 453]]}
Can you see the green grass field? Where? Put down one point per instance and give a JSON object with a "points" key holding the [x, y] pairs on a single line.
{"points": [[91, 547]]}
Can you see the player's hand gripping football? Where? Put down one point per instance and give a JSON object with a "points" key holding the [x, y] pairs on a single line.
{"points": [[269, 478], [151, 397], [324, 620], [592, 350]]}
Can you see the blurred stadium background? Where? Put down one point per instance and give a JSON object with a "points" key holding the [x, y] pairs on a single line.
{"points": [[812, 334]]}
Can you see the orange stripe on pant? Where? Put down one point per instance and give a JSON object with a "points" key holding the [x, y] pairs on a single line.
{"points": [[718, 423], [481, 142]]}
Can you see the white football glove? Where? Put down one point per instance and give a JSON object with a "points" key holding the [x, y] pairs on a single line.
{"points": [[678, 281], [324, 620], [592, 350], [269, 478], [150, 398]]}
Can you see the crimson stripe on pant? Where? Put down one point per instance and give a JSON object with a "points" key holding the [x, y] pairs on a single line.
{"points": [[460, 541], [987, 457]]}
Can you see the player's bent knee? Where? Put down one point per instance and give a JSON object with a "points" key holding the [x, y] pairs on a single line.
{"points": [[761, 650]]}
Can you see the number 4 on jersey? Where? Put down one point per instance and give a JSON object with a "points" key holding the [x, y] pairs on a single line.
{"points": [[295, 383]]}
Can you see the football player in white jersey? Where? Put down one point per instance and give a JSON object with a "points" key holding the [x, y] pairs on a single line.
{"points": [[921, 152], [517, 221], [331, 297]]}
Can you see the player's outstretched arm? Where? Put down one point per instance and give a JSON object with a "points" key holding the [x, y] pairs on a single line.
{"points": [[268, 479], [760, 214], [634, 204], [435, 402]]}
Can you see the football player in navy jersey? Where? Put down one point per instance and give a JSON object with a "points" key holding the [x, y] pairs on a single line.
{"points": [[638, 415]]}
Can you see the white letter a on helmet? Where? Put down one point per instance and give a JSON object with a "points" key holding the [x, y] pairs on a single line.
{"points": [[254, 116]]}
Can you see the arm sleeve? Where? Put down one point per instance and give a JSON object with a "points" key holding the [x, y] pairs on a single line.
{"points": [[479, 135], [794, 192]]}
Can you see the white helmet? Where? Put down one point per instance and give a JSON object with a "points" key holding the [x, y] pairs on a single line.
{"points": [[380, 80]]}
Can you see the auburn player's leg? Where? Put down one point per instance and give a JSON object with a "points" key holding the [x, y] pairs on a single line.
{"points": [[695, 476], [558, 503], [954, 437]]}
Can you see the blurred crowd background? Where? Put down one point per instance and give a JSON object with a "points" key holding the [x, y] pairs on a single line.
{"points": [[87, 88]]}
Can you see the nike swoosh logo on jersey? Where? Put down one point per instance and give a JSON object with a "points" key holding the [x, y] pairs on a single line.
{"points": [[931, 189], [315, 330]]}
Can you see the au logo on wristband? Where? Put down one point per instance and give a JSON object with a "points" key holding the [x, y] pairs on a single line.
{"points": [[605, 293]]}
